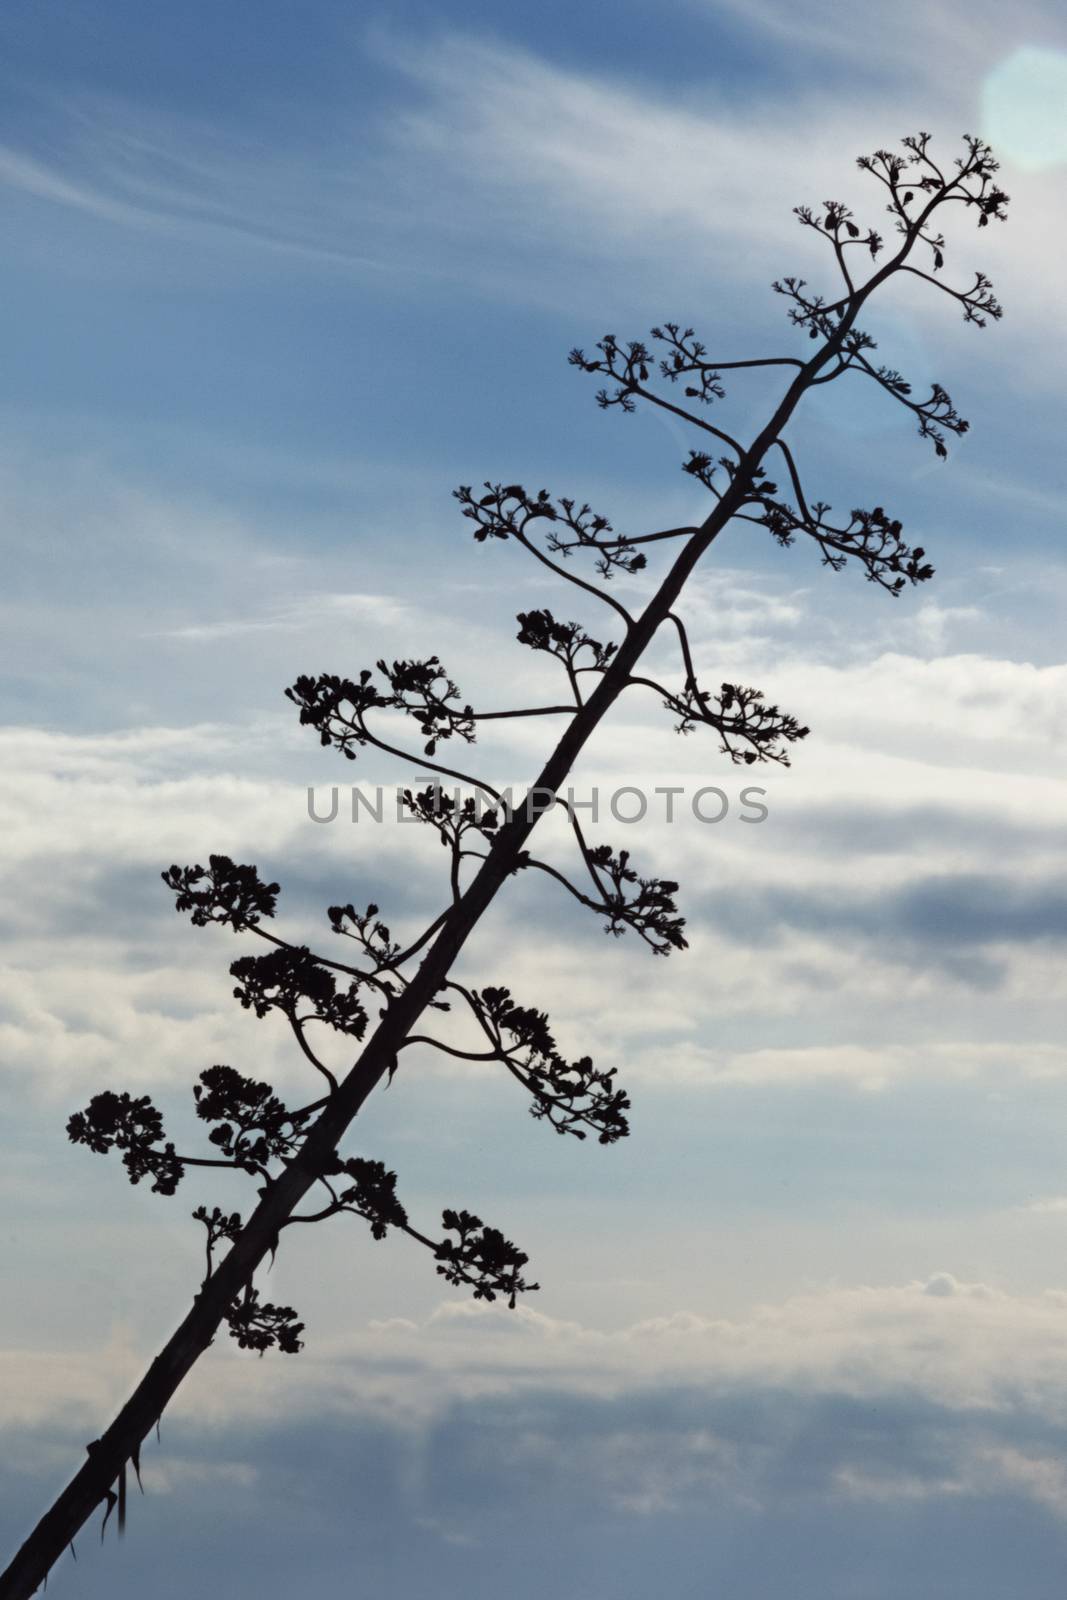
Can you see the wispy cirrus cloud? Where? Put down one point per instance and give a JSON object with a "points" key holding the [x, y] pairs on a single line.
{"points": [[958, 1343], [489, 144], [942, 46], [228, 203]]}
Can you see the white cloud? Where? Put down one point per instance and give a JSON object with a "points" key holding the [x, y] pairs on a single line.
{"points": [[967, 1346], [930, 777], [867, 1067], [572, 167], [222, 205], [20, 171], [1041, 1477], [308, 614], [943, 45]]}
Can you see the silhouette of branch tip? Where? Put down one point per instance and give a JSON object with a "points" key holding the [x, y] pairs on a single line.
{"points": [[222, 892], [262, 1326], [571, 1096], [132, 1125], [288, 978], [482, 1257]]}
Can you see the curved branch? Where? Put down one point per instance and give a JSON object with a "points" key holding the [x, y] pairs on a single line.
{"points": [[652, 538], [978, 301], [580, 583], [583, 848], [794, 478], [688, 416], [324, 961], [687, 654], [534, 711], [297, 1025], [933, 414], [413, 949], [424, 762], [439, 1044]]}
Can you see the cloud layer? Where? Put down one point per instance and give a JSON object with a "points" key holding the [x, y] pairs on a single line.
{"points": [[749, 1369]]}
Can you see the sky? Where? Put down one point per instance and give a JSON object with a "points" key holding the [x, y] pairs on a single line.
{"points": [[278, 278]]}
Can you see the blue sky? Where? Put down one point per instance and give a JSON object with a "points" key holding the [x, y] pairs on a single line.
{"points": [[277, 279]]}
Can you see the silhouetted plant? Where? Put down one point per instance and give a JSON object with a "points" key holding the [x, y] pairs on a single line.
{"points": [[293, 1153]]}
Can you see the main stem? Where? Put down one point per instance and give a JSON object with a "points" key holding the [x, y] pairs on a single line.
{"points": [[108, 1455]]}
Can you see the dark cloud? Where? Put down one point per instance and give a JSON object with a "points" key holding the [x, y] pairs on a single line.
{"points": [[757, 1494], [946, 920], [66, 892], [879, 830]]}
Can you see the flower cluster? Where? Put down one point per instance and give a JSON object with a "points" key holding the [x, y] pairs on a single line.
{"points": [[324, 703], [263, 1326], [132, 1125], [566, 640], [570, 1095], [370, 933], [870, 537], [424, 690], [220, 1225], [336, 707], [372, 1194], [452, 818], [481, 1256], [253, 1125], [289, 977], [686, 360], [628, 365], [506, 511], [651, 912], [222, 892]]}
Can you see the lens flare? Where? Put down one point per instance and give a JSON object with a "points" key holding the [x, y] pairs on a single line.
{"points": [[1024, 108]]}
